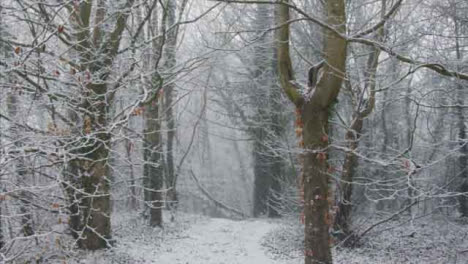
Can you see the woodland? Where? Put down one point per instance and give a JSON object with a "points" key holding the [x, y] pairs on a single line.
{"points": [[233, 131]]}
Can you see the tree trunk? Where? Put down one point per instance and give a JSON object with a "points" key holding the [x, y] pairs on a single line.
{"points": [[262, 176], [133, 202], [343, 215], [94, 172], [153, 171], [463, 158], [71, 181], [352, 138], [314, 110], [95, 57], [315, 183], [170, 62]]}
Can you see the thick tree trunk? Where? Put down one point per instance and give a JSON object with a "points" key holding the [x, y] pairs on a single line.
{"points": [[97, 49], [153, 170], [94, 172], [315, 182], [314, 111], [71, 181], [96, 203]]}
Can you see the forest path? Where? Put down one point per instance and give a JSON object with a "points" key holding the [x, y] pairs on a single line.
{"points": [[219, 241]]}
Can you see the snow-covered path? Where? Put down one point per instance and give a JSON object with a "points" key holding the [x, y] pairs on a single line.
{"points": [[190, 240], [219, 241]]}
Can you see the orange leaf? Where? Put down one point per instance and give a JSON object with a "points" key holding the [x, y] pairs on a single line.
{"points": [[321, 156], [324, 138], [137, 111], [55, 205], [17, 50], [301, 143], [298, 132], [61, 28], [87, 125], [299, 122]]}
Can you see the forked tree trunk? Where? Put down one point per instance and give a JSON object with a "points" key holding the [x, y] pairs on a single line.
{"points": [[314, 110], [89, 169]]}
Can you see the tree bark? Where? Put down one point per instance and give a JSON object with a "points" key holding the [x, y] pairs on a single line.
{"points": [[169, 64], [314, 112], [90, 215], [152, 152], [362, 110], [94, 172], [345, 207], [463, 158]]}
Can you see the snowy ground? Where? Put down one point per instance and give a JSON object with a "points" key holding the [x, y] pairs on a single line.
{"points": [[219, 241], [194, 240], [433, 239], [201, 240]]}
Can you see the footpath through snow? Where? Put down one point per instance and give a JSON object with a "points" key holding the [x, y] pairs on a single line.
{"points": [[190, 240], [200, 240], [219, 241]]}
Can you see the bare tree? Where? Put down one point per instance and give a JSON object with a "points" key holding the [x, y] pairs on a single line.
{"points": [[313, 111]]}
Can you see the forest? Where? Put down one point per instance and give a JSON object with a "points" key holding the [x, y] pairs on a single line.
{"points": [[233, 131]]}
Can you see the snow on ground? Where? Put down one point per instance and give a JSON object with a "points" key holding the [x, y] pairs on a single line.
{"points": [[219, 241], [189, 240], [200, 240], [435, 239]]}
